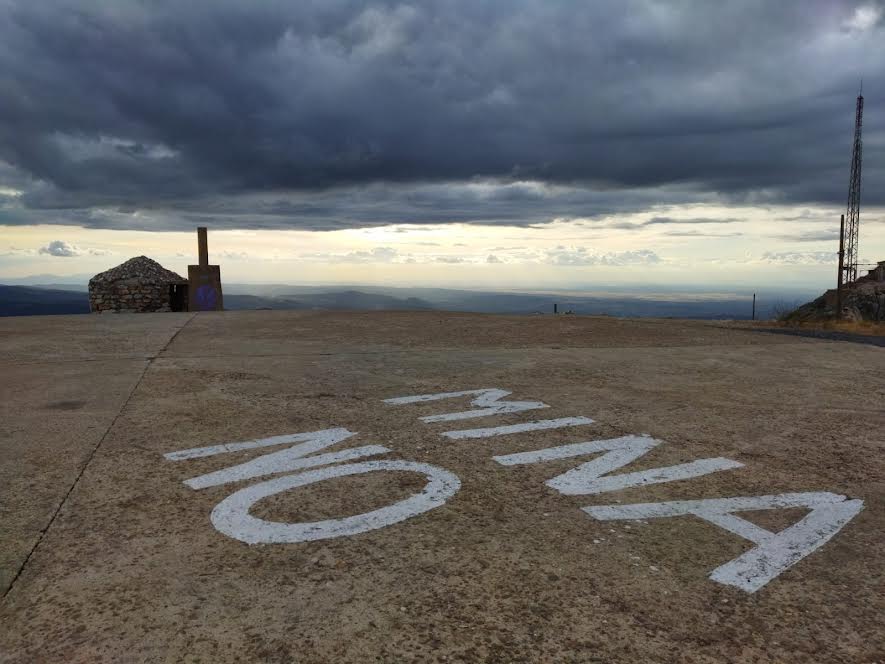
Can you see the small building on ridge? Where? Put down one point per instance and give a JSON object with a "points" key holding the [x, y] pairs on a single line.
{"points": [[138, 285]]}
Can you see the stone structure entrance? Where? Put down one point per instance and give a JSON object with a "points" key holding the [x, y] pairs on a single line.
{"points": [[138, 285]]}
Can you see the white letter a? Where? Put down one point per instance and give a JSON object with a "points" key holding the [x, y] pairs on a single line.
{"points": [[775, 552]]}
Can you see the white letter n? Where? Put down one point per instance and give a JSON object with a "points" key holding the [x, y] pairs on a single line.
{"points": [[283, 461], [588, 477]]}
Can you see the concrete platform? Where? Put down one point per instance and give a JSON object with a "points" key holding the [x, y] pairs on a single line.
{"points": [[107, 555]]}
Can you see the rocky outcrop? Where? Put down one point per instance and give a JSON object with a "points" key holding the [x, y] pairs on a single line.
{"points": [[863, 299], [138, 285]]}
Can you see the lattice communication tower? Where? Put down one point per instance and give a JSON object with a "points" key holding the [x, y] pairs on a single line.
{"points": [[849, 265]]}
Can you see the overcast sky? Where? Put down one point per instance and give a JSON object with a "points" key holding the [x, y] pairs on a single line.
{"points": [[451, 142]]}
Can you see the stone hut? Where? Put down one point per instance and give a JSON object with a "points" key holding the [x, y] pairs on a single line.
{"points": [[138, 285]]}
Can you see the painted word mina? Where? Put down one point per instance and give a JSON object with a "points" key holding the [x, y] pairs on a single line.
{"points": [[773, 553]]}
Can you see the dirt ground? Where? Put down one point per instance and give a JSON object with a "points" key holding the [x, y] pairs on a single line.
{"points": [[106, 556]]}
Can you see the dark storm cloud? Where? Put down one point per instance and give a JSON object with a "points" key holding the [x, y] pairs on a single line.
{"points": [[341, 208], [341, 114]]}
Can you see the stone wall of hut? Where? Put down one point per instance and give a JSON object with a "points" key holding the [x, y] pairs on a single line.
{"points": [[129, 296]]}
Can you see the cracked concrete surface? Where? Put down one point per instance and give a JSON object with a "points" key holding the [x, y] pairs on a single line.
{"points": [[118, 560]]}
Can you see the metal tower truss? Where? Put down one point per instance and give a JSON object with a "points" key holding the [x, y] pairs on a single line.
{"points": [[853, 213]]}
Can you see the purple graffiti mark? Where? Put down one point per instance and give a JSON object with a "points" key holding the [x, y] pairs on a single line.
{"points": [[206, 298]]}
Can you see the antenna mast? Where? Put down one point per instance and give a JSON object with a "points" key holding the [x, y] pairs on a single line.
{"points": [[853, 213]]}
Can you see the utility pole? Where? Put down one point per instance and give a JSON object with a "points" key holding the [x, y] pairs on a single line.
{"points": [[841, 266], [849, 261]]}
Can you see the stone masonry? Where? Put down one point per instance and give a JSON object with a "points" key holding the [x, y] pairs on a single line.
{"points": [[138, 285], [863, 299]]}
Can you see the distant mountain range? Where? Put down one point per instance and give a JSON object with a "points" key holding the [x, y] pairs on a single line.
{"points": [[349, 299], [32, 301], [63, 298]]}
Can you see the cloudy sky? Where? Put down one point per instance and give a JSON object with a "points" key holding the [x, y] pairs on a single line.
{"points": [[506, 143]]}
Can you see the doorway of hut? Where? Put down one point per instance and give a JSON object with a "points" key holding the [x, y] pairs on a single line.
{"points": [[178, 297]]}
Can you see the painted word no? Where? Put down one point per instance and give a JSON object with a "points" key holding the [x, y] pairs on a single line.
{"points": [[231, 516]]}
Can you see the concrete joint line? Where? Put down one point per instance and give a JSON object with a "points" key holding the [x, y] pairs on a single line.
{"points": [[165, 347], [148, 361]]}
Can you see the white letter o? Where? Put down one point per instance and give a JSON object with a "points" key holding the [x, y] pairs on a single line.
{"points": [[231, 516]]}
